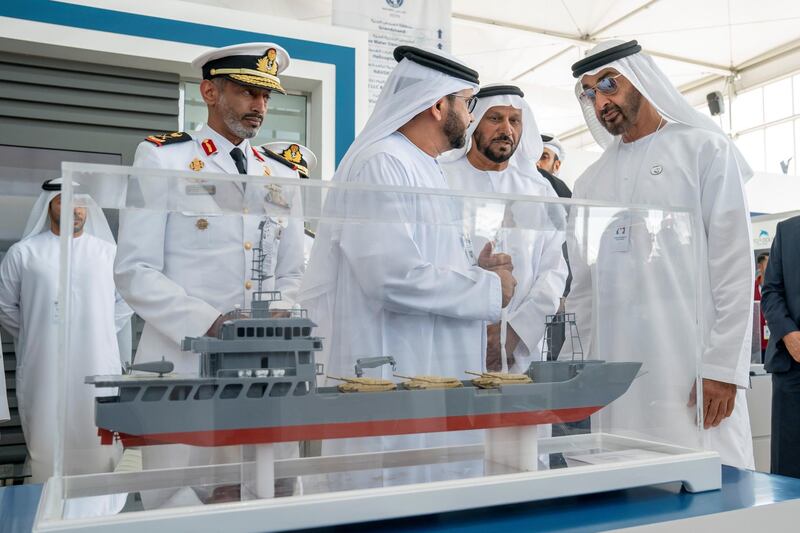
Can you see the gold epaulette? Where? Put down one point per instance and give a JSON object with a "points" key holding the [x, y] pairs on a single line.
{"points": [[169, 138]]}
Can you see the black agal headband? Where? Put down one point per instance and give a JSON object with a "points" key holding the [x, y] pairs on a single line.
{"points": [[50, 186], [500, 90], [436, 62], [605, 57]]}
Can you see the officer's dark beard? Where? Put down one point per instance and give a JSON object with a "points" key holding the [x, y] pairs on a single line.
{"points": [[496, 153], [455, 130]]}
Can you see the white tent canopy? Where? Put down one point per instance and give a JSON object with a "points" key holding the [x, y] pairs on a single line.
{"points": [[703, 46], [699, 45]]}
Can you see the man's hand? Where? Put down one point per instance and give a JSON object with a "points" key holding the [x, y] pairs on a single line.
{"points": [[508, 284], [719, 399], [494, 262], [792, 343], [215, 328], [494, 362], [213, 331]]}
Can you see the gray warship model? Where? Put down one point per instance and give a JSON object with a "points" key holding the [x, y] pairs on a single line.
{"points": [[257, 383]]}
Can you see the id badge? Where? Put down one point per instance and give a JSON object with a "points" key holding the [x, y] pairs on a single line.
{"points": [[466, 242], [621, 234]]}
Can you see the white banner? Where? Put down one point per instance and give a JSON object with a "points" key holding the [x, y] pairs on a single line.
{"points": [[392, 23]]}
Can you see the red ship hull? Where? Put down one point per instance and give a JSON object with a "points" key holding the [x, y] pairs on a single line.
{"points": [[231, 437]]}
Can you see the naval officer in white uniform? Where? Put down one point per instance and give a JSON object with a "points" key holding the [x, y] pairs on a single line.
{"points": [[184, 270]]}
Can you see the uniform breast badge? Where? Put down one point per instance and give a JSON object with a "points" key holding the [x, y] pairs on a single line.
{"points": [[196, 165], [201, 224], [275, 196]]}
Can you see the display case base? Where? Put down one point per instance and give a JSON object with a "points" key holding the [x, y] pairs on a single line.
{"points": [[590, 463]]}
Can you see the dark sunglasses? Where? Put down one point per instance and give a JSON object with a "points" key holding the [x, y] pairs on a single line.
{"points": [[607, 85]]}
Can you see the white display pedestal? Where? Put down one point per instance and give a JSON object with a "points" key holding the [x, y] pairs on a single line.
{"points": [[516, 447], [265, 470], [656, 463]]}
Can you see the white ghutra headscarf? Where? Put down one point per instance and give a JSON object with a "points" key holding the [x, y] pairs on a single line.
{"points": [[530, 145], [412, 87], [655, 86], [39, 218]]}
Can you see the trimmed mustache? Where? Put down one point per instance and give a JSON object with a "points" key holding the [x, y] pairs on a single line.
{"points": [[259, 116], [610, 108], [505, 138]]}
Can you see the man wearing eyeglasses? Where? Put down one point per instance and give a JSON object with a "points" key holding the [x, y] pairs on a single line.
{"points": [[408, 284], [659, 151]]}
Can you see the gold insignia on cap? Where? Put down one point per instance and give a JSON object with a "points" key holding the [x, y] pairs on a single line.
{"points": [[293, 154], [268, 63], [196, 165], [201, 224]]}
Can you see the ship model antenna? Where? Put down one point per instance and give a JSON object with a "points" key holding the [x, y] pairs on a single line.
{"points": [[562, 322], [262, 259]]}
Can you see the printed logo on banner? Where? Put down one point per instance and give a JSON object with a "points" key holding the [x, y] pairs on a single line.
{"points": [[395, 3], [763, 240]]}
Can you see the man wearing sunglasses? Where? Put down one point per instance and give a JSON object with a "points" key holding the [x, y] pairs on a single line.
{"points": [[660, 151]]}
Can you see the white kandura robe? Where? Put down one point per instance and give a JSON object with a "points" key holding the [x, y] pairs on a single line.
{"points": [[406, 287], [4, 414], [532, 234], [644, 307], [28, 309]]}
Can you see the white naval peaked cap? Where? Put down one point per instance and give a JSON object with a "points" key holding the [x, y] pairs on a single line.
{"points": [[300, 156], [249, 64]]}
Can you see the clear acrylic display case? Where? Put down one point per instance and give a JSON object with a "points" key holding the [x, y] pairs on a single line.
{"points": [[252, 429]]}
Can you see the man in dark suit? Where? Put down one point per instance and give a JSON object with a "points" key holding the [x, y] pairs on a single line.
{"points": [[780, 300]]}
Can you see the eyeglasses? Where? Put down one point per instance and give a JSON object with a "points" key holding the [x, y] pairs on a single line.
{"points": [[607, 85], [470, 101]]}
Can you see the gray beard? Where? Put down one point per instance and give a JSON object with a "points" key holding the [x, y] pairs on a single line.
{"points": [[239, 129], [234, 124]]}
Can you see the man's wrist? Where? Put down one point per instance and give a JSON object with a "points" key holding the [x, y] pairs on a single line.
{"points": [[213, 329]]}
